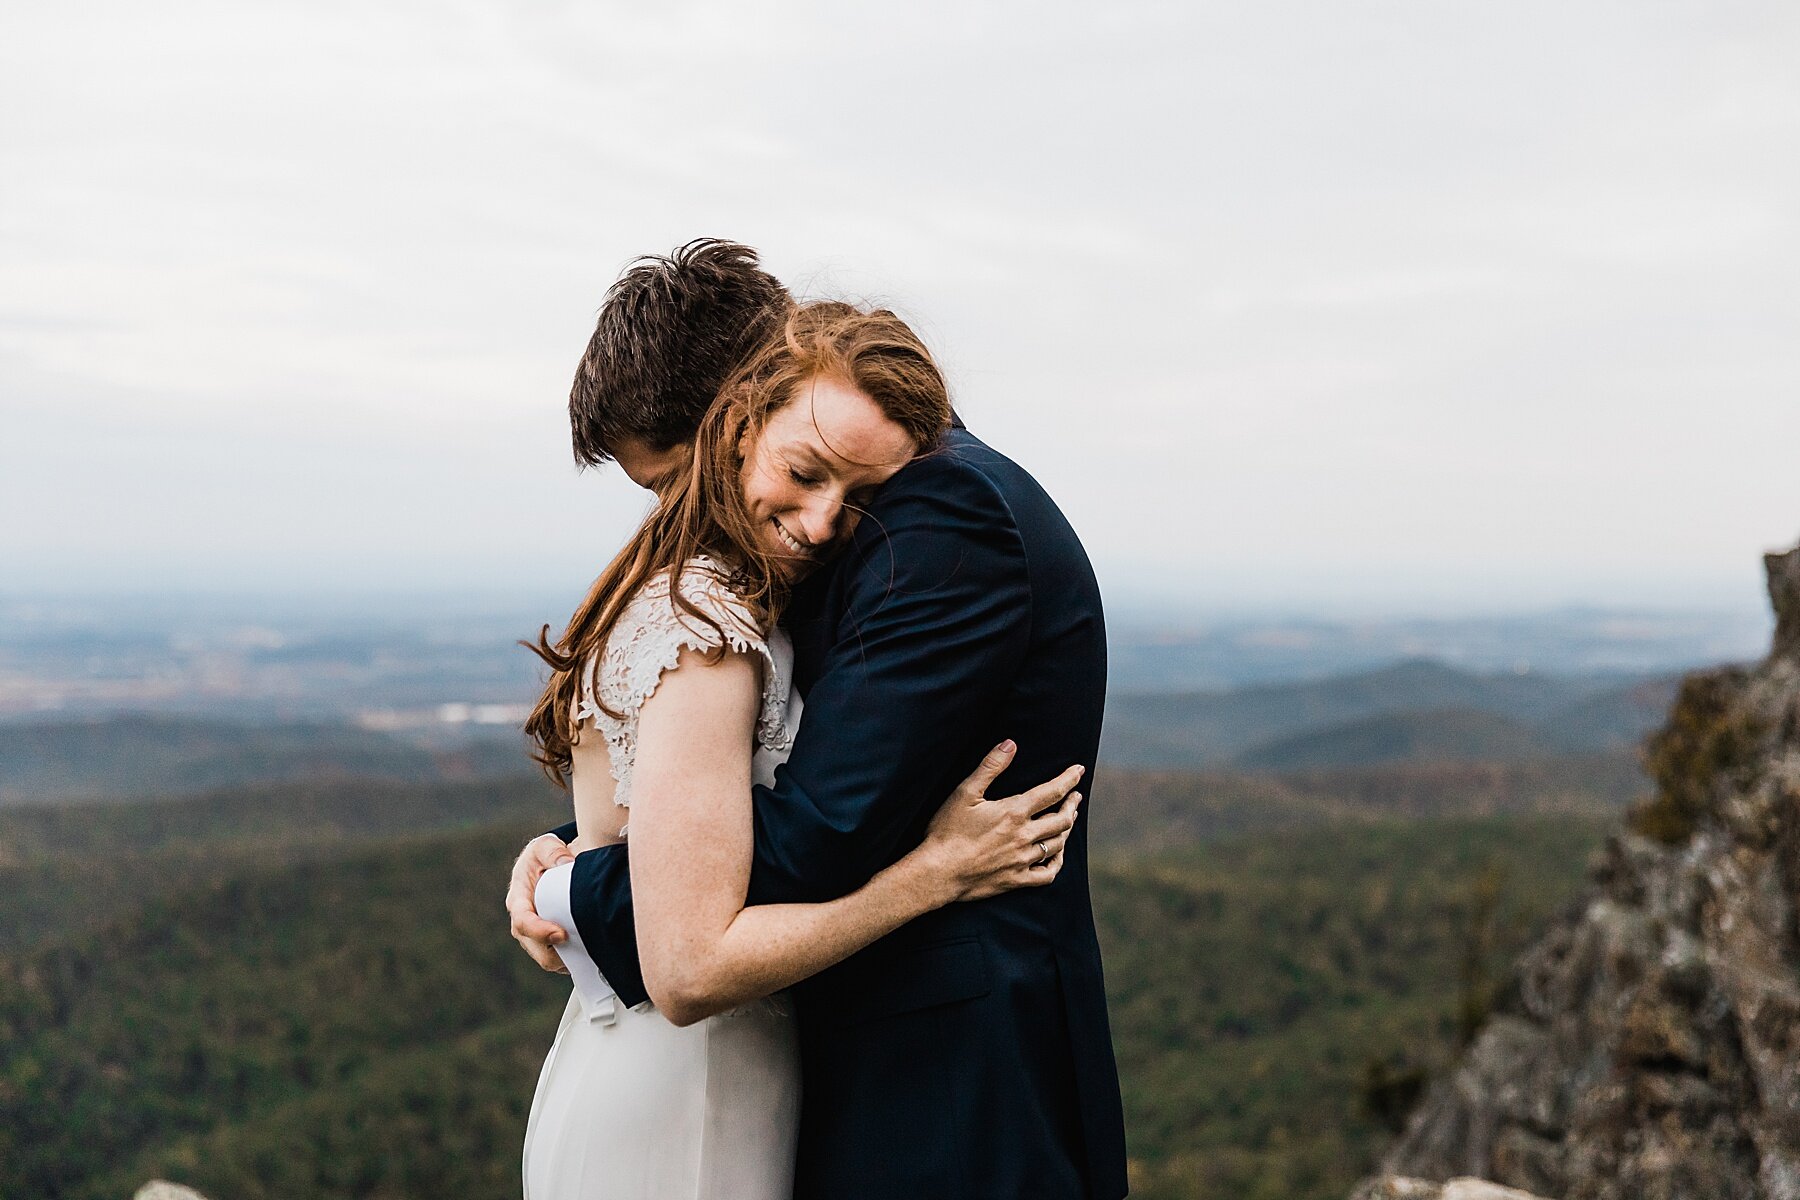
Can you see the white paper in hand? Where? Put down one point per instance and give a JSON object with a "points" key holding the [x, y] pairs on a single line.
{"points": [[598, 1000]]}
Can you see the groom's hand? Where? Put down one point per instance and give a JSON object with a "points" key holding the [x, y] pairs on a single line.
{"points": [[531, 931]]}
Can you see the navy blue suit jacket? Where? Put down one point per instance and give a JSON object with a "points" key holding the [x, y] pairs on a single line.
{"points": [[966, 1055]]}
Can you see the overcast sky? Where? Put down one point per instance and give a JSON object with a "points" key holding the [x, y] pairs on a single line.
{"points": [[1411, 306]]}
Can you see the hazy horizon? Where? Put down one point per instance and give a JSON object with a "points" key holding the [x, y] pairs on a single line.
{"points": [[1137, 608]]}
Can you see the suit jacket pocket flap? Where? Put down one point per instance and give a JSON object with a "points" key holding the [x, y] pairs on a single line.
{"points": [[922, 977]]}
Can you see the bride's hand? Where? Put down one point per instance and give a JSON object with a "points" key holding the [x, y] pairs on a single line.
{"points": [[979, 847], [535, 935]]}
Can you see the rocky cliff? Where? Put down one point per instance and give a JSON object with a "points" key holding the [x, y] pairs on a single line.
{"points": [[1648, 1047]]}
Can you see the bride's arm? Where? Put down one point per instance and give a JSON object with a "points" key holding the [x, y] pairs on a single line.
{"points": [[692, 835]]}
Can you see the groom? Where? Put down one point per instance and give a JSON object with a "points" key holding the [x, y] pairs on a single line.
{"points": [[966, 1056]]}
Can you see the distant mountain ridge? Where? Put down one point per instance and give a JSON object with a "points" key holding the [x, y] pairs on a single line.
{"points": [[1165, 649], [1430, 736], [1296, 724], [1413, 711], [134, 755]]}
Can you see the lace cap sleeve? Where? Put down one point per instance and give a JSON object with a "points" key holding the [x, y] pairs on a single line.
{"points": [[648, 640]]}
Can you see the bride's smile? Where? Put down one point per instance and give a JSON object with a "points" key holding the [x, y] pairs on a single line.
{"points": [[817, 462]]}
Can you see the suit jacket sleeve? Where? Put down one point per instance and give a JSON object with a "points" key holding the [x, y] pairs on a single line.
{"points": [[934, 619]]}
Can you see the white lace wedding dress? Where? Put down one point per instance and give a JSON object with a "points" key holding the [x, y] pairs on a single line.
{"points": [[628, 1106]]}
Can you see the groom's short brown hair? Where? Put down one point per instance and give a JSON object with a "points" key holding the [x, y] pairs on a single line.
{"points": [[671, 331]]}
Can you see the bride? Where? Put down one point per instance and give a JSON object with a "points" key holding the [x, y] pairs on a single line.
{"points": [[671, 694]]}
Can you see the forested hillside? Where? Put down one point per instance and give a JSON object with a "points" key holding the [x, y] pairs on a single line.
{"points": [[66, 868], [347, 1017], [299, 983]]}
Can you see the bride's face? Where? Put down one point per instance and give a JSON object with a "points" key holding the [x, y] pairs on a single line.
{"points": [[818, 459]]}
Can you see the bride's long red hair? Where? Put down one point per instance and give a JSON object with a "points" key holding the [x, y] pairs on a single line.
{"points": [[701, 509]]}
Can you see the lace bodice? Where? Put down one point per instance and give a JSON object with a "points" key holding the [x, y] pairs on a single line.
{"points": [[648, 640]]}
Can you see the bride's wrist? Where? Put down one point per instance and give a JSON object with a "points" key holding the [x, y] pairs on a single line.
{"points": [[928, 877]]}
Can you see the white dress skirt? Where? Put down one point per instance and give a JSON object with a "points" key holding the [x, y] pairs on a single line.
{"points": [[628, 1106]]}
